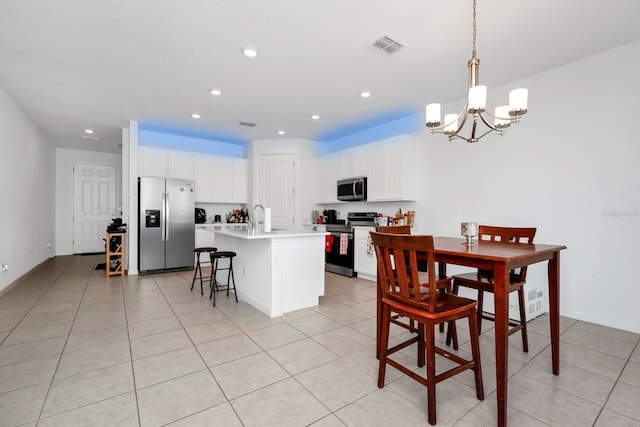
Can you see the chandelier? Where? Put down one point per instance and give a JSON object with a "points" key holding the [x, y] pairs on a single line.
{"points": [[474, 109]]}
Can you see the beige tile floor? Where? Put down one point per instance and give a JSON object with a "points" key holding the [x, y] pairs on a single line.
{"points": [[78, 349]]}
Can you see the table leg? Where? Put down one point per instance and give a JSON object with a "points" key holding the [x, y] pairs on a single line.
{"points": [[554, 310], [501, 302]]}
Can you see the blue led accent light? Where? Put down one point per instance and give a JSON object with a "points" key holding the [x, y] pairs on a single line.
{"points": [[176, 138], [376, 129]]}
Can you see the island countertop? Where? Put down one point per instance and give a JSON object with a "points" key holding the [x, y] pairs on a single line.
{"points": [[248, 234]]}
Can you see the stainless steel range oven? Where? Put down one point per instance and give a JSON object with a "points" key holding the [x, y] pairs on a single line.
{"points": [[339, 254]]}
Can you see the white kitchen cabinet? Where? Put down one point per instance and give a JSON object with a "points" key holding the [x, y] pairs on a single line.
{"points": [[239, 181], [392, 174], [365, 263], [180, 164], [152, 161], [203, 165], [220, 179], [353, 162], [327, 175]]}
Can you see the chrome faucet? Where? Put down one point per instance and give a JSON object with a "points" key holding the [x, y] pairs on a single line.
{"points": [[254, 218]]}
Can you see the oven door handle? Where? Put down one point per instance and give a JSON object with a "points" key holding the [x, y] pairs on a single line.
{"points": [[338, 234]]}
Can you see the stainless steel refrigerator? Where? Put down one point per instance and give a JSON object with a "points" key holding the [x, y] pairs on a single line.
{"points": [[166, 224]]}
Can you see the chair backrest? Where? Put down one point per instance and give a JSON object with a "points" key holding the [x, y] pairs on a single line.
{"points": [[397, 256], [520, 235], [507, 234], [396, 229]]}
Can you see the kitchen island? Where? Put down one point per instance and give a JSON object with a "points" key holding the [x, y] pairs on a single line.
{"points": [[276, 272]]}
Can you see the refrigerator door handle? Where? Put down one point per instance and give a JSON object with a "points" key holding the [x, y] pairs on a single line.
{"points": [[163, 212], [167, 222]]}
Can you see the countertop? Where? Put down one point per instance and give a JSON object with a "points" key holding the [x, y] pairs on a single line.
{"points": [[219, 225], [242, 232]]}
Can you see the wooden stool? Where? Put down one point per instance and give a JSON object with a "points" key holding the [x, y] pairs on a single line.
{"points": [[215, 287], [198, 270]]}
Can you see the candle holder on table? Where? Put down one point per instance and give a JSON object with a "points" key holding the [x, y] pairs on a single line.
{"points": [[469, 230]]}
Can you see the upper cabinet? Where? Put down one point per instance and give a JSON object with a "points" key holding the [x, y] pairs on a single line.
{"points": [[327, 174], [218, 179], [239, 181], [203, 167], [353, 162], [180, 164], [393, 168], [152, 161], [390, 166]]}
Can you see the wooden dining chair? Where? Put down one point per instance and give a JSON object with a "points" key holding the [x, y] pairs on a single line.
{"points": [[482, 281], [405, 295], [444, 285]]}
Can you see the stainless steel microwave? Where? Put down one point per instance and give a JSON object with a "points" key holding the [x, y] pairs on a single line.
{"points": [[351, 189]]}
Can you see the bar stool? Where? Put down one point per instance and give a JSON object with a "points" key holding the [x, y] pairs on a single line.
{"points": [[198, 270], [215, 259]]}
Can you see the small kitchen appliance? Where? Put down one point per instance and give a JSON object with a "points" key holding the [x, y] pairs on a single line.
{"points": [[201, 216], [330, 216]]}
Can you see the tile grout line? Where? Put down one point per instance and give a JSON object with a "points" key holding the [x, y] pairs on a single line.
{"points": [[604, 404], [35, 303], [133, 374], [63, 347], [199, 354]]}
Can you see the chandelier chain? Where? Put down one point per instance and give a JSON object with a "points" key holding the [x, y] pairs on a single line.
{"points": [[473, 54]]}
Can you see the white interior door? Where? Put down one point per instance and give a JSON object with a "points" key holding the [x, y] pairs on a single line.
{"points": [[276, 188], [94, 205]]}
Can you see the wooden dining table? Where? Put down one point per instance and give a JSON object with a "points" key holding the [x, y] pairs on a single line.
{"points": [[501, 258]]}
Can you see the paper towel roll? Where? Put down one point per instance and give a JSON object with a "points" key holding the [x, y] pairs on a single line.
{"points": [[267, 220]]}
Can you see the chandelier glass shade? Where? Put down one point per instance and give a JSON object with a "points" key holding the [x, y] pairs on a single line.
{"points": [[474, 110]]}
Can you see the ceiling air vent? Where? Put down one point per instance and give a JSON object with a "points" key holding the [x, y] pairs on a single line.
{"points": [[248, 124], [387, 44]]}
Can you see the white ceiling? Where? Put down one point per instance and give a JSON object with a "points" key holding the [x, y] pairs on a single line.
{"points": [[76, 64]]}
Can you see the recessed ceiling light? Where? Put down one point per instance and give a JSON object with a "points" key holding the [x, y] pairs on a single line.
{"points": [[315, 117], [89, 131], [195, 115], [365, 94], [216, 92], [281, 132], [250, 52], [92, 138]]}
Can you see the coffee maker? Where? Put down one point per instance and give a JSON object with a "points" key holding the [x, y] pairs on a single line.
{"points": [[330, 216]]}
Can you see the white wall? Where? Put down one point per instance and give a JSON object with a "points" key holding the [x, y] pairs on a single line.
{"points": [[65, 159], [26, 192], [570, 169]]}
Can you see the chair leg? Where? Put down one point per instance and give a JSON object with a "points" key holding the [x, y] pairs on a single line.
{"points": [[452, 334], [441, 326], [195, 273], [421, 348], [233, 278], [384, 343], [475, 353], [523, 319], [212, 281], [431, 373], [479, 316]]}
